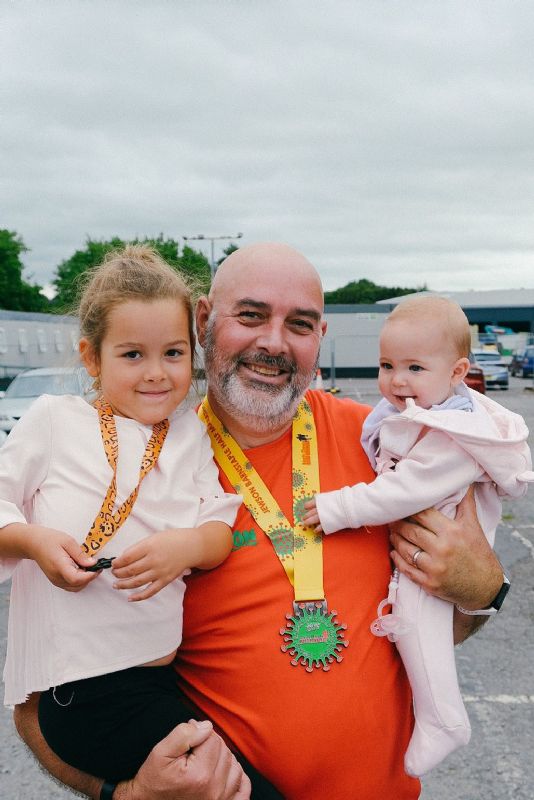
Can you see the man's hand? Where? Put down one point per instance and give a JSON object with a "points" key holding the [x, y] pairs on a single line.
{"points": [[456, 561], [191, 763]]}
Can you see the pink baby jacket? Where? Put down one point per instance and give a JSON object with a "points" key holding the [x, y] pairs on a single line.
{"points": [[429, 458]]}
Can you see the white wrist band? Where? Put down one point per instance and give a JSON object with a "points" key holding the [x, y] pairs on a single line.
{"points": [[495, 604], [482, 612]]}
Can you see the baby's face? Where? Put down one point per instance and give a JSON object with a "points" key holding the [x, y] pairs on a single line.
{"points": [[417, 360]]}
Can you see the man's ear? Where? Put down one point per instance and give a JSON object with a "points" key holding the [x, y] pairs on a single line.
{"points": [[460, 370], [202, 313], [89, 358]]}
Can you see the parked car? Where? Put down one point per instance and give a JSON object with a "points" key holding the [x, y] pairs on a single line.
{"points": [[494, 368], [528, 362], [29, 385], [516, 364], [475, 376]]}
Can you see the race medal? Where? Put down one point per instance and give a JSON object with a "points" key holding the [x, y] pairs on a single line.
{"points": [[313, 637]]}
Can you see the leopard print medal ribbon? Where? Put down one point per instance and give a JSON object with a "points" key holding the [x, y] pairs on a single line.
{"points": [[108, 521]]}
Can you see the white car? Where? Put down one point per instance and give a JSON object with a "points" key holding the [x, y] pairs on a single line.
{"points": [[494, 368], [29, 385]]}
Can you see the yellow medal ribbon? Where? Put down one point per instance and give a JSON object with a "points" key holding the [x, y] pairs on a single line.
{"points": [[299, 548], [108, 521]]}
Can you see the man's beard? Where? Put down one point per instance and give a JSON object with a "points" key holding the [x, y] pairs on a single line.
{"points": [[262, 405]]}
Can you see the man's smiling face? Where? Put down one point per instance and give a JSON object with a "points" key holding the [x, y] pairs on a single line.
{"points": [[262, 338]]}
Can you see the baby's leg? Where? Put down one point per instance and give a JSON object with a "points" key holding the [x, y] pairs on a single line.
{"points": [[427, 651]]}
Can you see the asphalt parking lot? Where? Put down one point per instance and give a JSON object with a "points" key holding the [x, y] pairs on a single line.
{"points": [[496, 668]]}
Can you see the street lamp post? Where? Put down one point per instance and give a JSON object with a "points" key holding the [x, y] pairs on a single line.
{"points": [[333, 388], [212, 240]]}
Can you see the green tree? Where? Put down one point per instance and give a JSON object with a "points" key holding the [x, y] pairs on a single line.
{"points": [[365, 291], [15, 293], [69, 272], [226, 252], [196, 265]]}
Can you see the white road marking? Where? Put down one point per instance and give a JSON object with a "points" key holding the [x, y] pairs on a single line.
{"points": [[524, 541], [503, 699]]}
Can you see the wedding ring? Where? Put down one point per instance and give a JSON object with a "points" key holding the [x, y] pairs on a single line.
{"points": [[416, 556]]}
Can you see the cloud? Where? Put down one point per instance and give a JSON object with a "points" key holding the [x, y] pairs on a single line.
{"points": [[385, 140]]}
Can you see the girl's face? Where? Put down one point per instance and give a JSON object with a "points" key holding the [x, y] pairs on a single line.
{"points": [[144, 364], [417, 360]]}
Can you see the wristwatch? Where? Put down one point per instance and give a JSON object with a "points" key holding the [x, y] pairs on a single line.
{"points": [[106, 792], [495, 604]]}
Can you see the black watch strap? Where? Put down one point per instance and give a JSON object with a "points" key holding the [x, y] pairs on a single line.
{"points": [[498, 600], [106, 792]]}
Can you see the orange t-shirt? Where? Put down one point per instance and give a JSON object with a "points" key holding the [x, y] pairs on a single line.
{"points": [[340, 734]]}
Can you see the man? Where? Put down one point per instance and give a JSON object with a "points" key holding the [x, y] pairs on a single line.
{"points": [[314, 733]]}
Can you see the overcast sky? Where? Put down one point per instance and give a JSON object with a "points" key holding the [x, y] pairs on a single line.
{"points": [[387, 140]]}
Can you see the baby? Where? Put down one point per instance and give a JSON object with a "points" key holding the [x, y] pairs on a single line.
{"points": [[429, 439]]}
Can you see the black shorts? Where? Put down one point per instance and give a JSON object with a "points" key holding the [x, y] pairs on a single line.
{"points": [[108, 725]]}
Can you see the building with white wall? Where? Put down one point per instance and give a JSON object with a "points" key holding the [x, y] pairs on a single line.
{"points": [[351, 341], [30, 339]]}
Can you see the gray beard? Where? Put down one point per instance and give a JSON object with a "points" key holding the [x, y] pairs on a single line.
{"points": [[261, 406]]}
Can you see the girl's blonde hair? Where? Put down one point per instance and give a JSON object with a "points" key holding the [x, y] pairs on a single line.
{"points": [[443, 313], [137, 272]]}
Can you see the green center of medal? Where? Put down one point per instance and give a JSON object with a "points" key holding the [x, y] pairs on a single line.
{"points": [[313, 637]]}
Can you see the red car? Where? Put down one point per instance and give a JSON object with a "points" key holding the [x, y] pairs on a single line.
{"points": [[475, 376]]}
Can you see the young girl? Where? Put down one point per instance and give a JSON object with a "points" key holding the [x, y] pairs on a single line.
{"points": [[130, 481], [428, 439]]}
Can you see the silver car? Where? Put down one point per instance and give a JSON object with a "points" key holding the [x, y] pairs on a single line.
{"points": [[495, 370], [29, 385]]}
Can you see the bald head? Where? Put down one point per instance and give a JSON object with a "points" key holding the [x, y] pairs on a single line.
{"points": [[276, 263]]}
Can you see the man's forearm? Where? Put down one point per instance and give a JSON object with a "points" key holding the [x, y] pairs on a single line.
{"points": [[465, 625], [27, 724]]}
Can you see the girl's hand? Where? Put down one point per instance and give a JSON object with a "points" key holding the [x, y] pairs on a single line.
{"points": [[311, 518], [156, 561], [61, 558]]}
